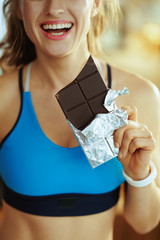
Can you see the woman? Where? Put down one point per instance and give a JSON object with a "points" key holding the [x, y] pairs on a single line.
{"points": [[50, 191]]}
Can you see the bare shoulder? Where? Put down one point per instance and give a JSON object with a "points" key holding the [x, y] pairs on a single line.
{"points": [[143, 94], [8, 91], [139, 87], [8, 83]]}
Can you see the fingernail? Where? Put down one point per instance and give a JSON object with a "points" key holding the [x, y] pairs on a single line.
{"points": [[116, 145], [120, 155]]}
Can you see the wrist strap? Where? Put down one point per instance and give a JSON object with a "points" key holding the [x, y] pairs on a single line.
{"points": [[143, 182]]}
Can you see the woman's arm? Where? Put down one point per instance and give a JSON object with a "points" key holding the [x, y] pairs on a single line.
{"points": [[137, 148]]}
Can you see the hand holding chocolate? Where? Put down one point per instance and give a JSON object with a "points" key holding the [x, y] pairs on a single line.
{"points": [[90, 110]]}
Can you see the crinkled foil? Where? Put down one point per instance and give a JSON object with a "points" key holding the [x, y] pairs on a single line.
{"points": [[96, 139]]}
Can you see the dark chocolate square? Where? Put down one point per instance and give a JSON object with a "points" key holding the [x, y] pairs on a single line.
{"points": [[96, 104], [80, 116], [71, 97], [89, 69], [92, 86]]}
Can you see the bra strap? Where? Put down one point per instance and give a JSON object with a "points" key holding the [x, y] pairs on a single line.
{"points": [[27, 82], [20, 80], [109, 76]]}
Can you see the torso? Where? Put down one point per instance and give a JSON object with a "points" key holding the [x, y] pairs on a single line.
{"points": [[29, 227]]}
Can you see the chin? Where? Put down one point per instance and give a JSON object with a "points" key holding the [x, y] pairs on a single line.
{"points": [[58, 52], [58, 55]]}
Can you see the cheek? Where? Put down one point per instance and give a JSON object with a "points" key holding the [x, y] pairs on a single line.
{"points": [[82, 6], [30, 13], [30, 10], [29, 26], [82, 11]]}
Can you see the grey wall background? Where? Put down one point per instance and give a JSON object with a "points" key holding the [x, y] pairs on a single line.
{"points": [[2, 24], [2, 32]]}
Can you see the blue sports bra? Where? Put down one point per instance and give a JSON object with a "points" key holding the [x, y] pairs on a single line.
{"points": [[42, 178]]}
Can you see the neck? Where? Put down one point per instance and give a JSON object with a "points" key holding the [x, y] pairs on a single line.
{"points": [[57, 72]]}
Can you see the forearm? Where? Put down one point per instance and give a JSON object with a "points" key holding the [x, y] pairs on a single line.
{"points": [[142, 207]]}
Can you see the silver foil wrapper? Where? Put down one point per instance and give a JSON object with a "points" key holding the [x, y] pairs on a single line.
{"points": [[96, 139]]}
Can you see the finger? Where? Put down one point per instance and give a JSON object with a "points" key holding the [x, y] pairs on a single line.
{"points": [[147, 144], [129, 136], [131, 111], [118, 134]]}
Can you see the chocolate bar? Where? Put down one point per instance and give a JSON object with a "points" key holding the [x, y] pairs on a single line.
{"points": [[83, 98]]}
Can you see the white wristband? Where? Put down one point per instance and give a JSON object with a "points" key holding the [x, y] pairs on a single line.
{"points": [[145, 181]]}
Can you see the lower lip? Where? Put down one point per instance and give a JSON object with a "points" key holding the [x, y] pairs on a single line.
{"points": [[57, 37]]}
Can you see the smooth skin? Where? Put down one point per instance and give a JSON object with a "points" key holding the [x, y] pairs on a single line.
{"points": [[51, 71]]}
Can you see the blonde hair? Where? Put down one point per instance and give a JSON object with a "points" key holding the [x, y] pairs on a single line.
{"points": [[109, 15], [18, 50]]}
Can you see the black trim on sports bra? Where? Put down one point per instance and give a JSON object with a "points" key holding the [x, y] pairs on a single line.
{"points": [[61, 205], [21, 93], [109, 76]]}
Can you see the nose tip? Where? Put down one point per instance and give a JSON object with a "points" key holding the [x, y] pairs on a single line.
{"points": [[54, 8], [54, 12]]}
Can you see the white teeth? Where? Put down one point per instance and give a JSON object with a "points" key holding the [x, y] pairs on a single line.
{"points": [[57, 34], [57, 26]]}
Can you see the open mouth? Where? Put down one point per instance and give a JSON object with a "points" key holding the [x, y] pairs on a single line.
{"points": [[57, 29]]}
